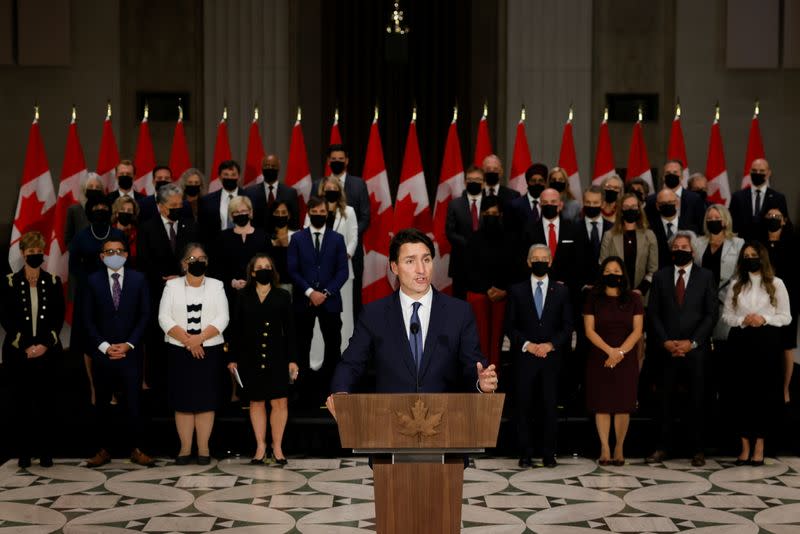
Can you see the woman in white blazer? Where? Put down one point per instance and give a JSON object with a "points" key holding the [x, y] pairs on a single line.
{"points": [[193, 314]]}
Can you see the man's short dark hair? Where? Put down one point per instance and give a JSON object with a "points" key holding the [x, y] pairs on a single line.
{"points": [[114, 240], [162, 168], [679, 162], [473, 168], [315, 202], [227, 165], [409, 235], [337, 147]]}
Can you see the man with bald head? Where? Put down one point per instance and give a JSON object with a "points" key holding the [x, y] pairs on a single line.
{"points": [[748, 206], [493, 175], [267, 195], [691, 208]]}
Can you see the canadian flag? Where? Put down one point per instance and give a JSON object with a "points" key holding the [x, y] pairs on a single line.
{"points": [[222, 152], [755, 148], [36, 196], [376, 239], [567, 159], [179, 155], [255, 155], [483, 145], [719, 190], [73, 174], [638, 162], [298, 173], [521, 158], [411, 208], [451, 185], [604, 157], [145, 159], [335, 138], [676, 149], [108, 158]]}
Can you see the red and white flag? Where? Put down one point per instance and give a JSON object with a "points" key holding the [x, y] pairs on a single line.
{"points": [[604, 157], [36, 197], [376, 282], [521, 159], [411, 208], [298, 173], [451, 185], [638, 162], [719, 190], [255, 155], [145, 159], [179, 161], [677, 148], [222, 152], [483, 145], [568, 160], [755, 148], [108, 158], [335, 138]]}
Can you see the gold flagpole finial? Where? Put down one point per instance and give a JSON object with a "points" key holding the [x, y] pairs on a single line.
{"points": [[180, 111], [571, 114], [108, 110], [414, 113], [605, 114], [678, 108], [522, 113], [255, 113], [640, 113], [336, 115], [757, 109], [36, 113], [225, 113], [716, 112], [375, 117], [485, 109], [299, 114], [74, 113], [455, 113], [146, 112]]}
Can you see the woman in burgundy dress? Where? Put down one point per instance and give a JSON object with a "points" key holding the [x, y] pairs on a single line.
{"points": [[613, 318]]}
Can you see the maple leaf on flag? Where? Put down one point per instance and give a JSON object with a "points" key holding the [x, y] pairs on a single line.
{"points": [[420, 424], [404, 210], [32, 204]]}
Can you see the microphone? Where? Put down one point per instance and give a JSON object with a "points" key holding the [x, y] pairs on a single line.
{"points": [[415, 328]]}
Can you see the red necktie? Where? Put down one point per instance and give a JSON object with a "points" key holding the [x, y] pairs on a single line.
{"points": [[680, 287], [271, 197], [552, 240], [474, 211]]}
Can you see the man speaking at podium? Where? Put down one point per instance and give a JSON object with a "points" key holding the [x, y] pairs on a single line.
{"points": [[421, 340]]}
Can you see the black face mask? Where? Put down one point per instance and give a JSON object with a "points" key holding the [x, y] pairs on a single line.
{"points": [[539, 268], [681, 257], [591, 211], [558, 186], [610, 195], [758, 178], [492, 178], [318, 221], [337, 167], [667, 210], [270, 175], [703, 194], [124, 218], [535, 190], [93, 195], [197, 268], [773, 224], [751, 265], [160, 184], [474, 188], [492, 223], [612, 280], [230, 184], [241, 219], [34, 260], [192, 190], [714, 227], [280, 221], [263, 276], [100, 217], [550, 211], [333, 195], [631, 215], [174, 214], [125, 182], [672, 180]]}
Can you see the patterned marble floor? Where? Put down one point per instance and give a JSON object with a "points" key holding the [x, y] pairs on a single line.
{"points": [[333, 496]]}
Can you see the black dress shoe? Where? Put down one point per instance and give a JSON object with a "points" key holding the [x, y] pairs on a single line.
{"points": [[699, 460], [525, 462], [657, 457], [258, 461], [203, 460], [739, 462], [183, 460], [757, 463], [280, 461], [46, 461], [24, 462], [549, 461]]}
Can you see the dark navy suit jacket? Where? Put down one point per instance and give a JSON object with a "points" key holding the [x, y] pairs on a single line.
{"points": [[326, 271], [125, 325], [449, 357], [524, 324]]}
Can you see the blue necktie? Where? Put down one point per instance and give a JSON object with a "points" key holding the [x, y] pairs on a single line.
{"points": [[538, 298], [415, 338]]}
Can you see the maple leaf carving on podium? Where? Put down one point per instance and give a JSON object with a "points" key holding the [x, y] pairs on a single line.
{"points": [[419, 423]]}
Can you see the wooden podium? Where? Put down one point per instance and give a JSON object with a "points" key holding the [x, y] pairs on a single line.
{"points": [[418, 443]]}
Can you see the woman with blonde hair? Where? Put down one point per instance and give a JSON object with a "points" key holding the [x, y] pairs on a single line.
{"points": [[193, 183]]}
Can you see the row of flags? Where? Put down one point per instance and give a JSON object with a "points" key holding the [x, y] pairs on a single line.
{"points": [[38, 207]]}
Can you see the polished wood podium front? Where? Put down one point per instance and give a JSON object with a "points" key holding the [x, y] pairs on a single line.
{"points": [[418, 443]]}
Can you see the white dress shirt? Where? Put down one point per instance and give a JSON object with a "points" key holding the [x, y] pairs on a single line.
{"points": [[167, 224], [224, 202], [688, 271], [763, 189], [588, 222], [103, 347], [753, 298], [342, 178], [673, 222], [492, 190], [534, 284], [424, 312], [538, 207], [477, 199], [546, 226]]}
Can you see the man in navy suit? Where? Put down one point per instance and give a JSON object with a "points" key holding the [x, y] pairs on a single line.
{"points": [[267, 195], [539, 326], [690, 206], [420, 340], [212, 211], [125, 172], [492, 176], [528, 208], [462, 223], [116, 311], [317, 262], [748, 206], [148, 206]]}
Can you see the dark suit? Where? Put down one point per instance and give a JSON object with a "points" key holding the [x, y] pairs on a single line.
{"points": [[593, 251], [692, 211], [694, 321], [262, 211], [568, 264], [209, 219], [114, 195], [664, 252], [458, 227], [325, 271], [506, 195], [126, 324], [523, 211], [524, 325], [746, 224], [449, 358], [148, 208]]}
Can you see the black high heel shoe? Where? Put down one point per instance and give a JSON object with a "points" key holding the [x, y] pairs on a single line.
{"points": [[279, 461], [739, 462]]}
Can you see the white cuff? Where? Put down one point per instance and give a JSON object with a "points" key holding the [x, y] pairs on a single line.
{"points": [[525, 346], [103, 347], [309, 291]]}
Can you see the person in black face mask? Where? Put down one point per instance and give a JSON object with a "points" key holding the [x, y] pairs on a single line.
{"points": [[126, 174], [665, 222], [213, 214], [698, 183], [756, 307], [527, 208], [148, 206], [613, 321], [124, 214], [93, 190], [682, 312], [493, 175], [612, 191], [279, 240], [265, 196], [691, 207], [193, 181], [463, 221], [749, 205], [557, 179]]}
